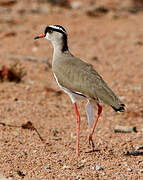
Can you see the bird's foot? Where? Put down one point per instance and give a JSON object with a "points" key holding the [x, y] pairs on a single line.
{"points": [[91, 143]]}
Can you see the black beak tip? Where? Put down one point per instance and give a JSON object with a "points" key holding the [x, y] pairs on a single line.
{"points": [[36, 37]]}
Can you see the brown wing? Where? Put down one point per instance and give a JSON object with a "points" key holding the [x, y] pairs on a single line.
{"points": [[78, 76]]}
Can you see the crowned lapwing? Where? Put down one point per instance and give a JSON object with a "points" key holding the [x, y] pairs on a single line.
{"points": [[79, 80]]}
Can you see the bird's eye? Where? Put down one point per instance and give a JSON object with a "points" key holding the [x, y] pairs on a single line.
{"points": [[50, 31]]}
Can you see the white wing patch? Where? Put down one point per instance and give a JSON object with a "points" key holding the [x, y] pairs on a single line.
{"points": [[57, 27], [90, 112]]}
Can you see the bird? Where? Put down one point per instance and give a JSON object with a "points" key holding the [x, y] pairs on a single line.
{"points": [[79, 80]]}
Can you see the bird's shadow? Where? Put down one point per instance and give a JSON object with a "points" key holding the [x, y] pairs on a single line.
{"points": [[92, 151]]}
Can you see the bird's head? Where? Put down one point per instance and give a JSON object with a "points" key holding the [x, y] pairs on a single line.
{"points": [[56, 34]]}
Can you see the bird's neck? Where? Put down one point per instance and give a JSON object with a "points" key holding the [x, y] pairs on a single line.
{"points": [[60, 46]]}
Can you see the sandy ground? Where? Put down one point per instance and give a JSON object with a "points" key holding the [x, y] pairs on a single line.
{"points": [[114, 46]]}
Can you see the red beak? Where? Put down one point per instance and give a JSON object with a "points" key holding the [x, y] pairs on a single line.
{"points": [[41, 36]]}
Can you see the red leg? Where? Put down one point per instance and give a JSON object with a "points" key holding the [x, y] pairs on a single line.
{"points": [[78, 128], [94, 125]]}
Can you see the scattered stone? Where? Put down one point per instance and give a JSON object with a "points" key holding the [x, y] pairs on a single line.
{"points": [[97, 167], [27, 87], [20, 173], [141, 170], [47, 167], [129, 169], [83, 161], [80, 166], [10, 34], [54, 131], [73, 174], [125, 129], [117, 173], [134, 153], [138, 147], [34, 151], [57, 139], [66, 167]]}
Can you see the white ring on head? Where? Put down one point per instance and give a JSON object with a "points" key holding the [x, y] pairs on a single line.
{"points": [[57, 27]]}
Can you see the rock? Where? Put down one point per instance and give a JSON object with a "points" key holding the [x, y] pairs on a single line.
{"points": [[80, 166], [10, 34], [66, 167], [20, 173], [138, 147], [34, 151], [48, 167], [95, 58], [97, 167], [73, 174], [54, 131], [141, 170], [133, 153], [125, 129], [129, 169]]}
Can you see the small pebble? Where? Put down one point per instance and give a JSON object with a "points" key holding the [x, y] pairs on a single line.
{"points": [[27, 87], [74, 174], [83, 161], [34, 151], [138, 147], [97, 167], [66, 167], [47, 167], [80, 166], [133, 153], [125, 129], [141, 170], [129, 169]]}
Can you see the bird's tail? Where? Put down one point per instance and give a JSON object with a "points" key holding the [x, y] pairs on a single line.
{"points": [[121, 108]]}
